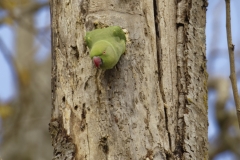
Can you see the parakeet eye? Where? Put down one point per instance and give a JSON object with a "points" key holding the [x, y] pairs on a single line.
{"points": [[104, 52]]}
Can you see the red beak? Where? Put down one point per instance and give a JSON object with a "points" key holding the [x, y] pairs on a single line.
{"points": [[97, 61]]}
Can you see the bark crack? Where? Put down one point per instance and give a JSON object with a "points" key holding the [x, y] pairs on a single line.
{"points": [[88, 143], [97, 76], [181, 75], [159, 52]]}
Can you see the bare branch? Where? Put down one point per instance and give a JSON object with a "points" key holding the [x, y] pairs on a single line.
{"points": [[231, 58]]}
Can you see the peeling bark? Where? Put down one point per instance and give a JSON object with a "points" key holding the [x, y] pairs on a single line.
{"points": [[153, 104], [64, 148]]}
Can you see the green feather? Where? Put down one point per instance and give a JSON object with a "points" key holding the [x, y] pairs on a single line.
{"points": [[108, 44]]}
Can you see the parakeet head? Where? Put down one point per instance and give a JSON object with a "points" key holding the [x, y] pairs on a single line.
{"points": [[103, 54]]}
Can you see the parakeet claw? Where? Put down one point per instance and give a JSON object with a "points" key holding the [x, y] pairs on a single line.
{"points": [[97, 61]]}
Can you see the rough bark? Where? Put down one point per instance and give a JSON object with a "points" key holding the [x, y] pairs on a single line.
{"points": [[153, 104]]}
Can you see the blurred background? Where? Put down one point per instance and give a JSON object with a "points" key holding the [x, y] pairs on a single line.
{"points": [[25, 88]]}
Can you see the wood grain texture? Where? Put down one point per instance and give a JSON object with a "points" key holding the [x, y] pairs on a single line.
{"points": [[192, 80], [139, 109]]}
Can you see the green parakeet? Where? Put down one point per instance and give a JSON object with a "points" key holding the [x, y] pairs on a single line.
{"points": [[106, 46]]}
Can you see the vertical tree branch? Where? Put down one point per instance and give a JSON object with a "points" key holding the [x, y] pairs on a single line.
{"points": [[231, 58]]}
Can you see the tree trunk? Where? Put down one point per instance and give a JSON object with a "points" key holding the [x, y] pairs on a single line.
{"points": [[153, 104]]}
